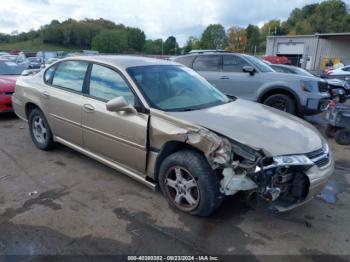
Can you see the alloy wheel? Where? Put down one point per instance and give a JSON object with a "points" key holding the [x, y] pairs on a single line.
{"points": [[182, 188], [39, 129]]}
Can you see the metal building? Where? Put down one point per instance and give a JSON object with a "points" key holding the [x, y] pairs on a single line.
{"points": [[312, 52]]}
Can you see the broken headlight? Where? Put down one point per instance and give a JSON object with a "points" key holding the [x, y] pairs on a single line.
{"points": [[296, 160]]}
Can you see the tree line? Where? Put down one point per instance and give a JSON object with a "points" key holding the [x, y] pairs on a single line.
{"points": [[108, 37], [330, 16]]}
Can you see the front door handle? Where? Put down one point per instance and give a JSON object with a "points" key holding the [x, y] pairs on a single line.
{"points": [[224, 77], [45, 94], [89, 108]]}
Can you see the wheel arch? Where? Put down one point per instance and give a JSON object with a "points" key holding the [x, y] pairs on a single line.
{"points": [[279, 90], [168, 149], [29, 107]]}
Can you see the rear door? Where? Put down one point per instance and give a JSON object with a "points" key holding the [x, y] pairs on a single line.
{"points": [[63, 99], [119, 136]]}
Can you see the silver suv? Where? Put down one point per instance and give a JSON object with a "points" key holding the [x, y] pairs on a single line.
{"points": [[250, 78]]}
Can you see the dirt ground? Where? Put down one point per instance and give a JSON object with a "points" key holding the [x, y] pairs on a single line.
{"points": [[62, 202]]}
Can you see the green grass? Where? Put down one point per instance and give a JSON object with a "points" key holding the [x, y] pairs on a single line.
{"points": [[36, 45]]}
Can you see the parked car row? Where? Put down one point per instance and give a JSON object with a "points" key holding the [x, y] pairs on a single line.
{"points": [[164, 125]]}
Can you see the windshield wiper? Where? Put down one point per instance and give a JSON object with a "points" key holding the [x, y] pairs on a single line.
{"points": [[190, 109]]}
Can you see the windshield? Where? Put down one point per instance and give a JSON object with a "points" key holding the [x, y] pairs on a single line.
{"points": [[10, 68], [260, 65], [175, 88]]}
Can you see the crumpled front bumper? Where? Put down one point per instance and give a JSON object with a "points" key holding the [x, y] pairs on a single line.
{"points": [[318, 178]]}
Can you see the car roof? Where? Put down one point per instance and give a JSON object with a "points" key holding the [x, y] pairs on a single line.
{"points": [[209, 53], [122, 61]]}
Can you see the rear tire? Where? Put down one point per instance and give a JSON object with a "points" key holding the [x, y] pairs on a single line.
{"points": [[342, 137], [189, 183], [40, 130], [281, 102]]}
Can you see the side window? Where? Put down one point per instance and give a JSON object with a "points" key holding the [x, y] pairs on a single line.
{"points": [[186, 60], [49, 74], [346, 69], [70, 75], [232, 63], [107, 84], [207, 63]]}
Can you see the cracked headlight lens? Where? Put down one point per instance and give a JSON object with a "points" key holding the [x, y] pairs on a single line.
{"points": [[296, 160]]}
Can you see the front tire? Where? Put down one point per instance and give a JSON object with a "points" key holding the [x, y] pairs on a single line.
{"points": [[189, 183], [281, 102], [40, 131]]}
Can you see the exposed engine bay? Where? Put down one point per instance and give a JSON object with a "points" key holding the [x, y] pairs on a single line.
{"points": [[278, 180]]}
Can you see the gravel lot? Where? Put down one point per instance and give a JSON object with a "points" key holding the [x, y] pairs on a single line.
{"points": [[62, 202]]}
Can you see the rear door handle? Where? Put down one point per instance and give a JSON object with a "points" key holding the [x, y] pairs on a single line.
{"points": [[45, 94], [224, 77], [89, 108]]}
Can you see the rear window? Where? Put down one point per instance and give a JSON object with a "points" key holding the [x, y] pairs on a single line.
{"points": [[207, 63], [185, 60], [70, 75]]}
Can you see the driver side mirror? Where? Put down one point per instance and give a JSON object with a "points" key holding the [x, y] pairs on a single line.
{"points": [[249, 69], [119, 104]]}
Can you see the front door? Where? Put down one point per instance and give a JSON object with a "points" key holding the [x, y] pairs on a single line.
{"points": [[119, 136], [236, 82]]}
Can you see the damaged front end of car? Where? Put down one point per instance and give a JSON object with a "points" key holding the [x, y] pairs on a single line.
{"points": [[284, 182], [281, 181]]}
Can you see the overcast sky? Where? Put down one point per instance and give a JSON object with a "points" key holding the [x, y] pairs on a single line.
{"points": [[158, 18]]}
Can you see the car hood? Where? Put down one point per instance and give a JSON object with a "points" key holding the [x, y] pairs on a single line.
{"points": [[258, 126], [285, 76]]}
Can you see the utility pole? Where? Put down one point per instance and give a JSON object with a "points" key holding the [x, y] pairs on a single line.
{"points": [[162, 48]]}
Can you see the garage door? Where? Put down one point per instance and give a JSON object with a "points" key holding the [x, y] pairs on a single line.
{"points": [[290, 49]]}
